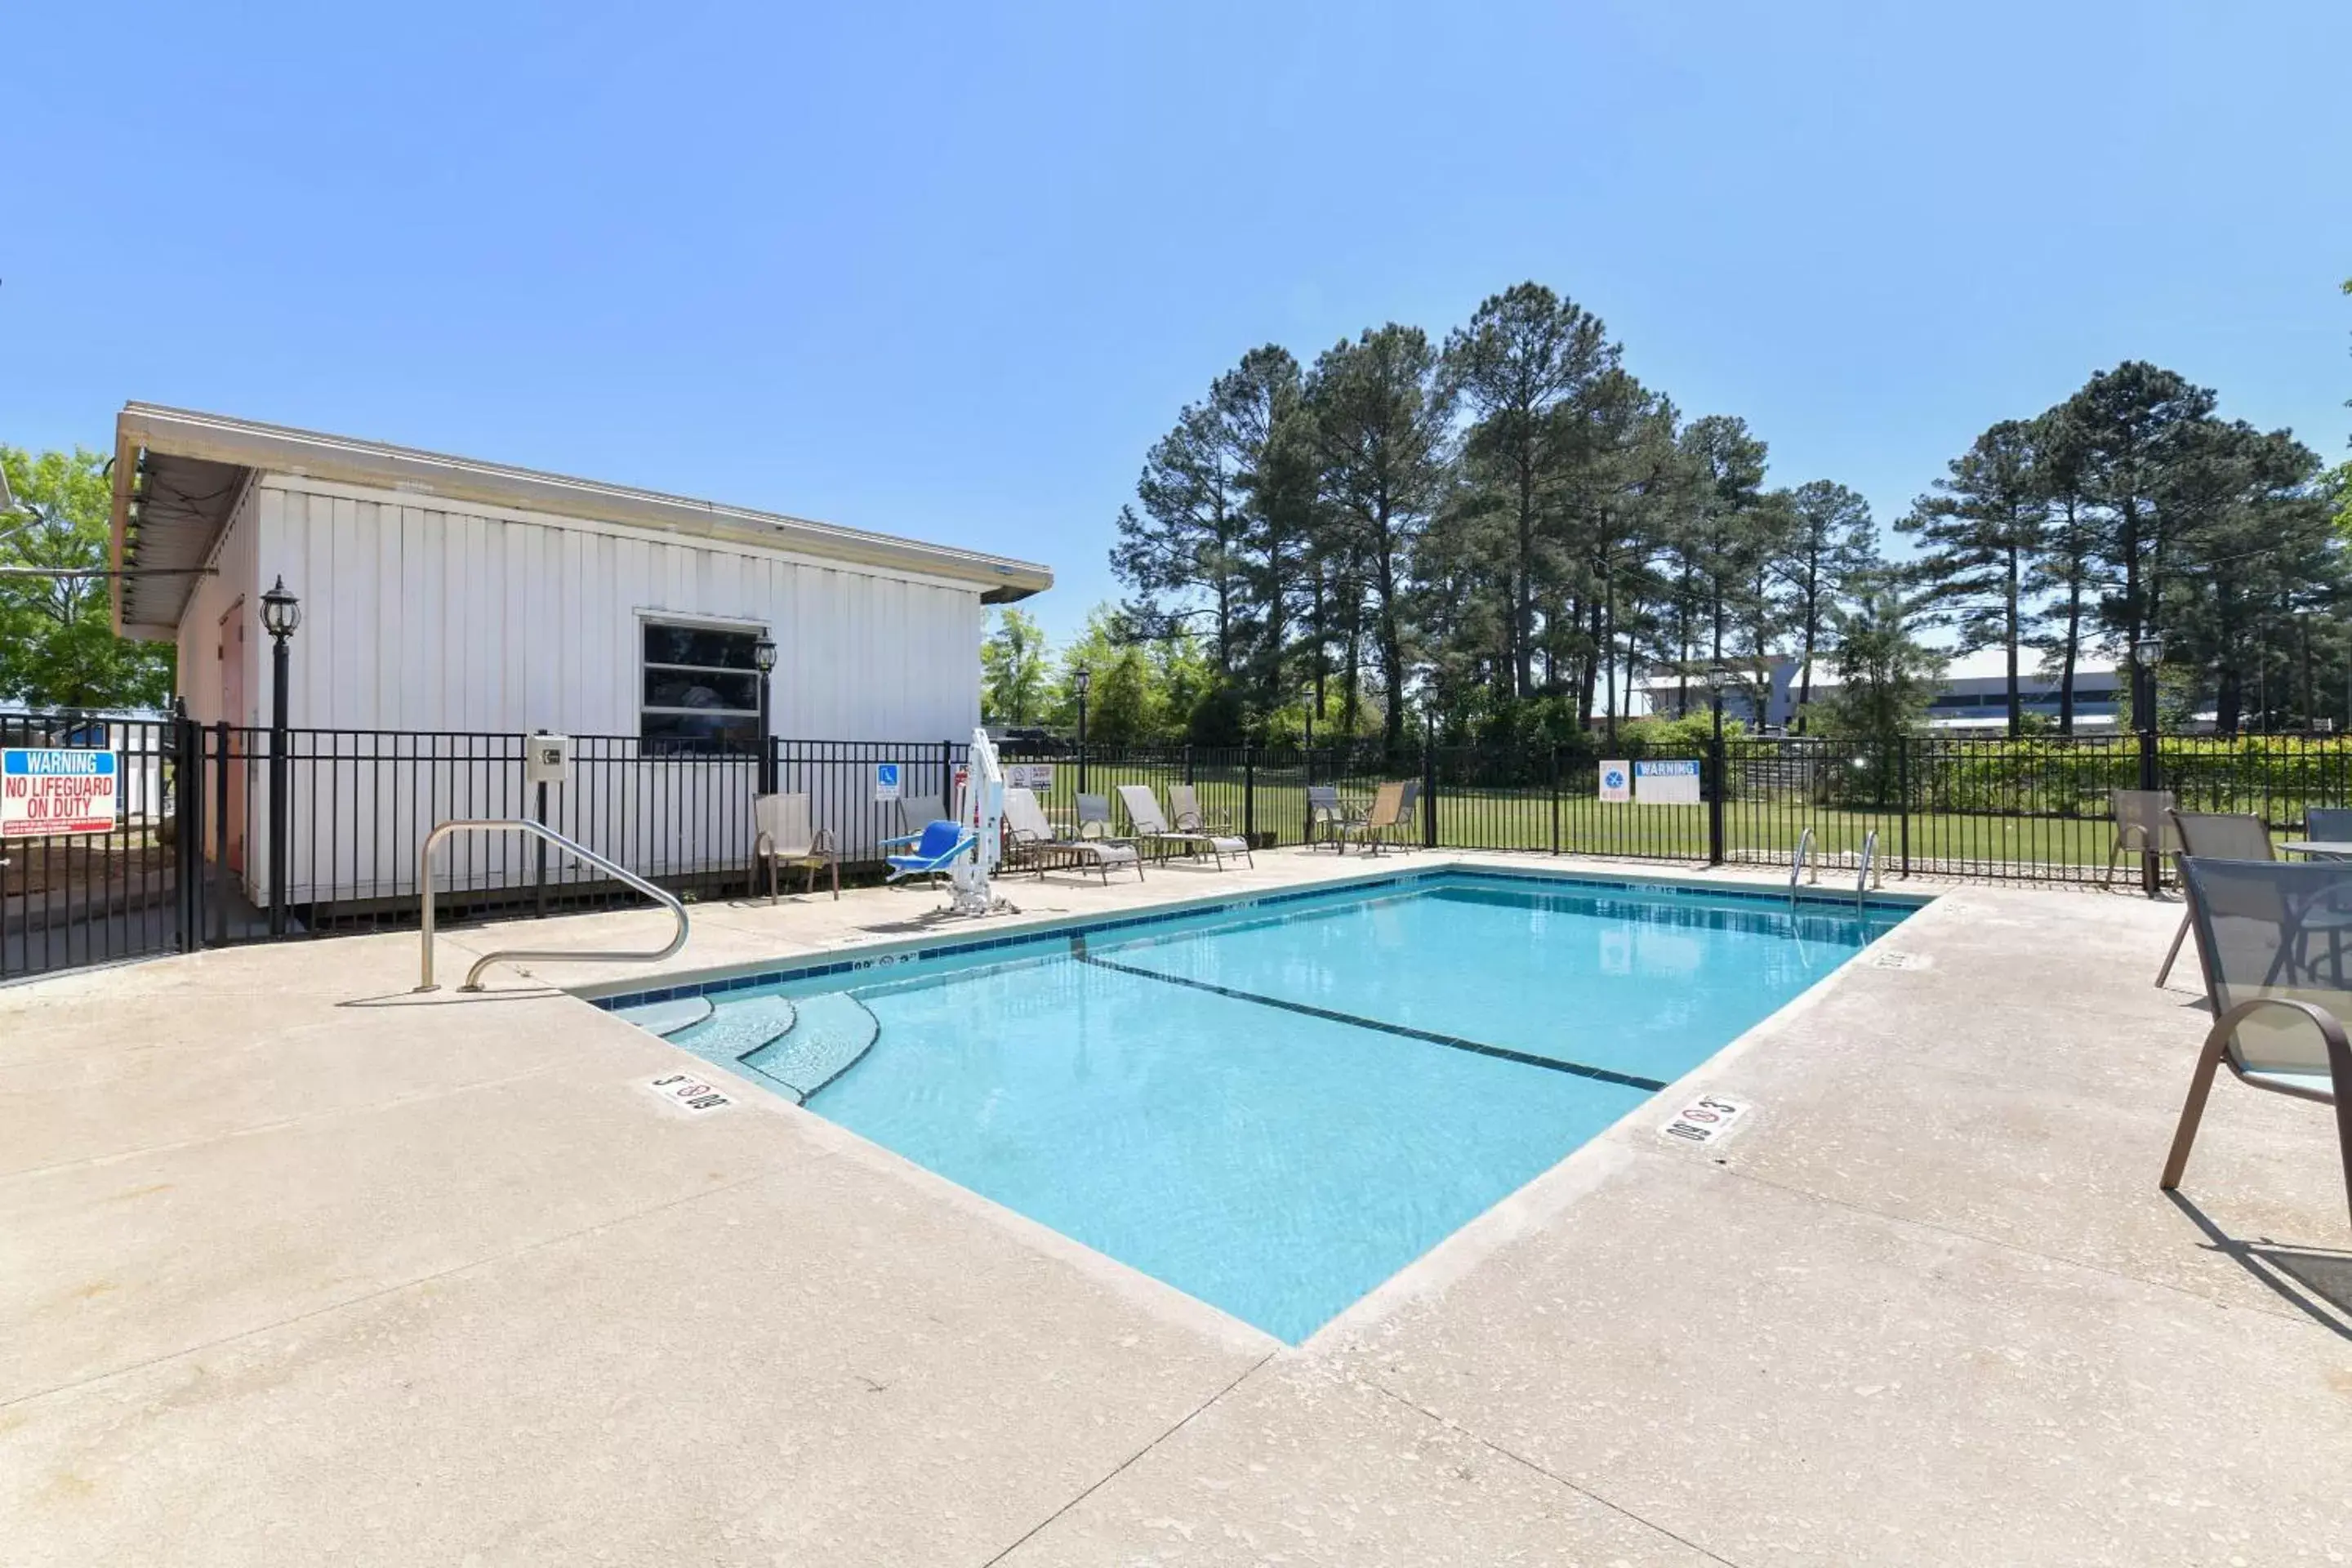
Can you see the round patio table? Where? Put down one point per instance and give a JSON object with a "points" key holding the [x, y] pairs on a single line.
{"points": [[2318, 848]]}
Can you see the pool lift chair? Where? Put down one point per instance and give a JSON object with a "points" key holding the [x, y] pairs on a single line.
{"points": [[968, 850]]}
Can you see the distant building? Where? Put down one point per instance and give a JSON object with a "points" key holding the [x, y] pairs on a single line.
{"points": [[1972, 698]]}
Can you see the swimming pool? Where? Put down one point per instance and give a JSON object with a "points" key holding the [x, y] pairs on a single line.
{"points": [[1275, 1105]]}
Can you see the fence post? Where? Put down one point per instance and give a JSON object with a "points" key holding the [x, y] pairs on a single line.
{"points": [[1188, 763], [1249, 791], [1714, 802], [1307, 833], [220, 829], [947, 778], [1428, 785], [2151, 862], [539, 814], [1555, 800], [188, 824], [1903, 796]]}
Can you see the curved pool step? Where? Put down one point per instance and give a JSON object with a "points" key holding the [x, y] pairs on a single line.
{"points": [[666, 1018], [834, 1031], [738, 1029]]}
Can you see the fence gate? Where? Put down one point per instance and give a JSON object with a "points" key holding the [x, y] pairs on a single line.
{"points": [[89, 857]]}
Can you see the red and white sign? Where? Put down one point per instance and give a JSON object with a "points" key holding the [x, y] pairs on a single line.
{"points": [[57, 789], [1707, 1120], [689, 1092]]}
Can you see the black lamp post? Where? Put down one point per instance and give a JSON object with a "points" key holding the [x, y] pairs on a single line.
{"points": [[2146, 653], [764, 658], [281, 614], [1081, 680]]}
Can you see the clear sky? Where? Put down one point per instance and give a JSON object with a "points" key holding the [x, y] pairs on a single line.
{"points": [[947, 271]]}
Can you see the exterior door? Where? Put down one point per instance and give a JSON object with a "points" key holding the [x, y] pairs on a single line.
{"points": [[232, 690]]}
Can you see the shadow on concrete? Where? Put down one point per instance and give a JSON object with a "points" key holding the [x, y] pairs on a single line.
{"points": [[2313, 1281]]}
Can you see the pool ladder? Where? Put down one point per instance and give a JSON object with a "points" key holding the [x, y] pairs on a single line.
{"points": [[1800, 861], [1862, 883]]}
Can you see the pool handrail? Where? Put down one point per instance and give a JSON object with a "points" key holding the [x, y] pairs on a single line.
{"points": [[1869, 854], [540, 830], [1798, 862]]}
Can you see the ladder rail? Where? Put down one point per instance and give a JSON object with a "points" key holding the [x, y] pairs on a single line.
{"points": [[542, 831], [1869, 859], [1799, 860]]}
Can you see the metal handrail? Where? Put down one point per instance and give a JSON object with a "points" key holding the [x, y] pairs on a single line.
{"points": [[1869, 854], [1797, 862], [540, 830]]}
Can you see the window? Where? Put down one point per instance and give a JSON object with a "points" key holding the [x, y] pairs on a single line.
{"points": [[701, 690]]}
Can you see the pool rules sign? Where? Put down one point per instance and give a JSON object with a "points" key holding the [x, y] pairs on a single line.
{"points": [[48, 789]]}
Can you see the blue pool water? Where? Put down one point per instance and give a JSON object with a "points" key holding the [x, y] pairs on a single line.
{"points": [[1277, 1108]]}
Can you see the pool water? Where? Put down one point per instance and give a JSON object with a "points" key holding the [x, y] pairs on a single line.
{"points": [[1276, 1108]]}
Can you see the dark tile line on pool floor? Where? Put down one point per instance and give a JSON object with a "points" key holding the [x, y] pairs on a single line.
{"points": [[1192, 911], [1579, 1070]]}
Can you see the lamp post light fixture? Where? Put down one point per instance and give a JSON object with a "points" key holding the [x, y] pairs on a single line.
{"points": [[763, 659], [281, 614], [1719, 680], [1082, 680]]}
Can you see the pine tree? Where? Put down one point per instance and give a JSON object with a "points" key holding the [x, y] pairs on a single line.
{"points": [[1983, 528]]}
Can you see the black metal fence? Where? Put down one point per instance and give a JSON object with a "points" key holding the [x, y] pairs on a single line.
{"points": [[189, 860]]}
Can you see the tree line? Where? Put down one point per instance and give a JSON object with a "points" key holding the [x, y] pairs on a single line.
{"points": [[1504, 530]]}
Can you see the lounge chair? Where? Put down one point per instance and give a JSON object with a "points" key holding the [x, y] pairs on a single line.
{"points": [[1094, 820], [1143, 811], [936, 849], [2278, 1014], [782, 836], [1038, 849], [2141, 825], [1184, 810]]}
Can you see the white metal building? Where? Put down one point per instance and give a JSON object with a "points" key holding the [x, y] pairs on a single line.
{"points": [[441, 594]]}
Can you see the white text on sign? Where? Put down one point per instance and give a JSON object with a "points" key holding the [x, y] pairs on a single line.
{"points": [[54, 789]]}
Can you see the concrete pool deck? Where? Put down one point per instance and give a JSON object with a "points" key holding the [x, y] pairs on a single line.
{"points": [[298, 1267]]}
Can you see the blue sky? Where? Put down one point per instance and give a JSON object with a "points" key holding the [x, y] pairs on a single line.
{"points": [[935, 270]]}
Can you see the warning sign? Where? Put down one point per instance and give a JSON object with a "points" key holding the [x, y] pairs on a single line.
{"points": [[56, 790]]}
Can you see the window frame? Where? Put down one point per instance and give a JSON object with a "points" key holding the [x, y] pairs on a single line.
{"points": [[662, 620]]}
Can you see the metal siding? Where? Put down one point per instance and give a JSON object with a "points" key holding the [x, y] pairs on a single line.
{"points": [[421, 615]]}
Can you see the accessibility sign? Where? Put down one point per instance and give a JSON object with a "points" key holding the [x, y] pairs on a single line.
{"points": [[1617, 781], [57, 789], [886, 781]]}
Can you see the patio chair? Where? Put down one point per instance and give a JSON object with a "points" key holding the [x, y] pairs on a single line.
{"points": [[1327, 817], [1094, 820], [2328, 824], [2215, 835], [782, 836], [1038, 848], [2141, 825], [2278, 1017], [1144, 811], [937, 849], [1388, 812]]}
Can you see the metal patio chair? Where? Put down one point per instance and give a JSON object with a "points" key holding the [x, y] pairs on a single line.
{"points": [[2329, 825], [781, 835], [1390, 811], [1327, 817], [2142, 825], [2279, 1007]]}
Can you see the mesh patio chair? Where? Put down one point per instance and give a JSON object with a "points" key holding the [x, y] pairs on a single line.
{"points": [[2276, 979], [2328, 825], [2214, 836], [1390, 811], [783, 836], [1184, 810], [2142, 825], [1327, 817], [1094, 820]]}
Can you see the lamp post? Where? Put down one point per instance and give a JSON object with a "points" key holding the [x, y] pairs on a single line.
{"points": [[2146, 653], [763, 659], [1718, 680], [1081, 681], [281, 614]]}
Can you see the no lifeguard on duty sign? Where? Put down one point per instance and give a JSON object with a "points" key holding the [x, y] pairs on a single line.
{"points": [[57, 789]]}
